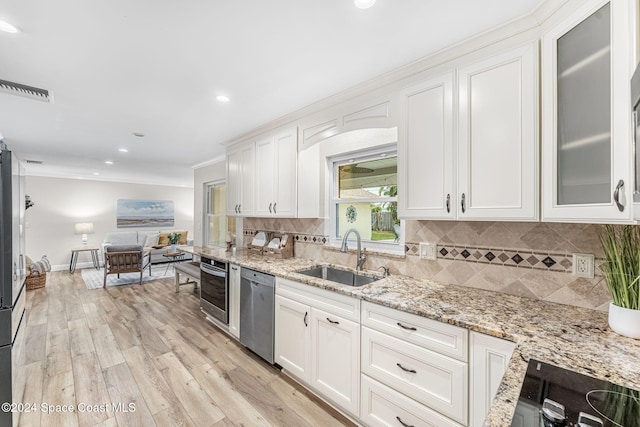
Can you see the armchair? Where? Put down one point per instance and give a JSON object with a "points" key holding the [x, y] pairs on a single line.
{"points": [[125, 259]]}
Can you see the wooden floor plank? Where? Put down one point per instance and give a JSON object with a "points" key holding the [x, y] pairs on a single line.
{"points": [[35, 344], [264, 400], [58, 358], [106, 347], [32, 376], [90, 389], [232, 402], [200, 407], [59, 399], [129, 406], [80, 337], [152, 385]]}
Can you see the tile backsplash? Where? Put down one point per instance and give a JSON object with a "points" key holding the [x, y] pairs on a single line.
{"points": [[532, 260]]}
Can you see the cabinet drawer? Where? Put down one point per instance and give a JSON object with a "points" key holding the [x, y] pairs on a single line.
{"points": [[383, 406], [437, 336], [430, 378], [332, 302]]}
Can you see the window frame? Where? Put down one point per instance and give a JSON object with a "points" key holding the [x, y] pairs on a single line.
{"points": [[208, 186], [334, 162]]}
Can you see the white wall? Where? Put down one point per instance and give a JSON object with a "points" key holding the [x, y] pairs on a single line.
{"points": [[214, 172], [61, 203]]}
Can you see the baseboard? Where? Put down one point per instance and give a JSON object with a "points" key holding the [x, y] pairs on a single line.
{"points": [[65, 267]]}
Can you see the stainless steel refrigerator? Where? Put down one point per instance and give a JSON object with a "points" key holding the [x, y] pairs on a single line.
{"points": [[12, 277]]}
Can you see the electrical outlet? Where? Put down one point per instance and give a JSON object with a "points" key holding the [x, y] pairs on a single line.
{"points": [[428, 251], [583, 265]]}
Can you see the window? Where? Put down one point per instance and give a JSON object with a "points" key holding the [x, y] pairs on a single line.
{"points": [[365, 197], [217, 225]]}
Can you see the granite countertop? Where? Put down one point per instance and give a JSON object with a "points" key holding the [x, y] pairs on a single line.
{"points": [[570, 337]]}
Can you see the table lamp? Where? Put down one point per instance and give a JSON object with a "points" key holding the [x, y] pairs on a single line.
{"points": [[84, 228]]}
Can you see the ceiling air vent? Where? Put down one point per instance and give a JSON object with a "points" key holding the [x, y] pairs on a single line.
{"points": [[33, 162], [26, 91]]}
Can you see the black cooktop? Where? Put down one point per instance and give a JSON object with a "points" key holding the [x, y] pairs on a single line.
{"points": [[553, 396]]}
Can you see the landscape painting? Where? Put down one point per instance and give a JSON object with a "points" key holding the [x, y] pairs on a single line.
{"points": [[144, 213]]}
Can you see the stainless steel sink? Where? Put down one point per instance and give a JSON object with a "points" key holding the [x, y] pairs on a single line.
{"points": [[338, 275]]}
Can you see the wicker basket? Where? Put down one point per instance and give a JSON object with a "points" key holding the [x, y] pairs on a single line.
{"points": [[36, 281]]}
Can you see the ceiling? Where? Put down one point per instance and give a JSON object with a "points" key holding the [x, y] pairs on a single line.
{"points": [[155, 67]]}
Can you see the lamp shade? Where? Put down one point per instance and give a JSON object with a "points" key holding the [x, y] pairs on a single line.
{"points": [[84, 228]]}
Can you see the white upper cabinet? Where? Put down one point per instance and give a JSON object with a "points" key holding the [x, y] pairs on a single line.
{"points": [[425, 150], [240, 176], [276, 174], [498, 137], [586, 144], [496, 159]]}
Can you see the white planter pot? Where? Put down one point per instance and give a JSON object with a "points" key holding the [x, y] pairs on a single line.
{"points": [[174, 248], [624, 321]]}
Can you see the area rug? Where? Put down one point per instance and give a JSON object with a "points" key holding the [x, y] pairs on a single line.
{"points": [[94, 279]]}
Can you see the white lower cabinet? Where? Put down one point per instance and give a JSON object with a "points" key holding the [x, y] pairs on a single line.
{"points": [[293, 337], [335, 368], [423, 375], [317, 341], [489, 357], [382, 406], [234, 300], [383, 366]]}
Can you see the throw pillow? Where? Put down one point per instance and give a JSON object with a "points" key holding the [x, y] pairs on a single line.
{"points": [[152, 240], [163, 239], [47, 264], [183, 238]]}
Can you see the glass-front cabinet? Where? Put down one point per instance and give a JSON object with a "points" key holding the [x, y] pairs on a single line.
{"points": [[586, 68]]}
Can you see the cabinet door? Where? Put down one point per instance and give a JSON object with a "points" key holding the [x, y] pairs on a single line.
{"points": [[265, 176], [488, 362], [586, 69], [234, 178], [293, 337], [498, 137], [425, 150], [248, 158], [286, 153], [335, 348], [234, 300]]}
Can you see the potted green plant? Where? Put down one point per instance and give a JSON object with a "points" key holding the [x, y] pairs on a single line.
{"points": [[621, 270], [173, 239]]}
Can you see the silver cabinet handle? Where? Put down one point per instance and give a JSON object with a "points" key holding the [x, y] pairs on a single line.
{"points": [[335, 322], [448, 203], [306, 314], [616, 195], [239, 208], [413, 371], [403, 423], [409, 328], [236, 208], [274, 207], [270, 207], [463, 204]]}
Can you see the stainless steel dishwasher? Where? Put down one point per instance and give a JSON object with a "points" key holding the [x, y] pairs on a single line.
{"points": [[257, 298]]}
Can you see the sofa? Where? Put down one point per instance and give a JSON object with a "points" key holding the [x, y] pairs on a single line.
{"points": [[155, 240]]}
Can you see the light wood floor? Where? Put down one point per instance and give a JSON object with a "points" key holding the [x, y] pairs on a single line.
{"points": [[149, 347]]}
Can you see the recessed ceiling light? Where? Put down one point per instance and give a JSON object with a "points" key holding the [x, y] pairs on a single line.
{"points": [[138, 134], [222, 98], [8, 28], [96, 173], [108, 162], [123, 150], [364, 4]]}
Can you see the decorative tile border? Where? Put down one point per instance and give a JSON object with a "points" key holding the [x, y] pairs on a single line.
{"points": [[507, 257], [301, 238]]}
